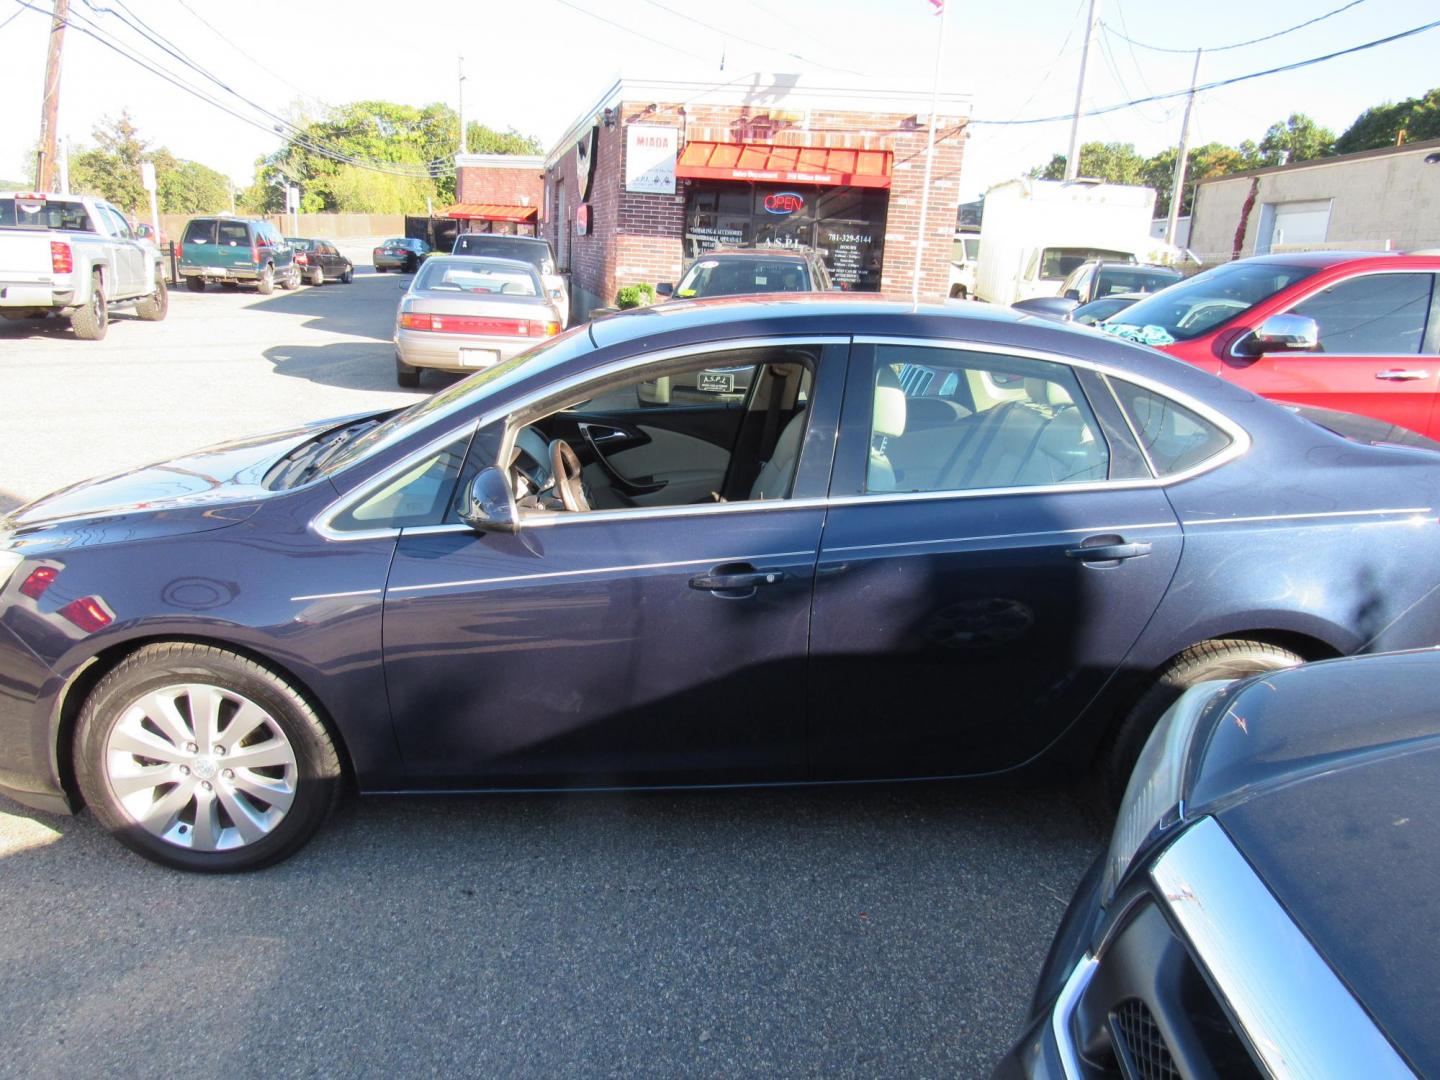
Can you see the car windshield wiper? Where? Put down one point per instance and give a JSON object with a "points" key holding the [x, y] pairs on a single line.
{"points": [[306, 460]]}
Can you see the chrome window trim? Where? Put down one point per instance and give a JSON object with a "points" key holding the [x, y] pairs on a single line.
{"points": [[1298, 1017], [323, 522], [1240, 441], [1232, 354], [1130, 427]]}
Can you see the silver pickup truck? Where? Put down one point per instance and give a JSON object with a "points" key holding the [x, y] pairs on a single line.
{"points": [[76, 256]]}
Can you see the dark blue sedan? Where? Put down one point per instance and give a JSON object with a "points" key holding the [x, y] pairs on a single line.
{"points": [[730, 542]]}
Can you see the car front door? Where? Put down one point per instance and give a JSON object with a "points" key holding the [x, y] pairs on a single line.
{"points": [[131, 277], [1379, 340], [984, 570], [641, 645]]}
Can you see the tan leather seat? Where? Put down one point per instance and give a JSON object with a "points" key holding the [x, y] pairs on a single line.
{"points": [[888, 423]]}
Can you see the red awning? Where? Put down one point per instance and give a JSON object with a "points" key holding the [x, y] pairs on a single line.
{"points": [[785, 164], [491, 212]]}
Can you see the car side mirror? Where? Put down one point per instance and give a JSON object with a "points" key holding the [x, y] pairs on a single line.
{"points": [[665, 288], [1282, 333], [1071, 294], [489, 505]]}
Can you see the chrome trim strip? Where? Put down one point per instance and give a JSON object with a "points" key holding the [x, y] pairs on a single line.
{"points": [[1303, 517], [1299, 1018], [563, 517], [602, 570], [1064, 1013], [1098, 529], [338, 595]]}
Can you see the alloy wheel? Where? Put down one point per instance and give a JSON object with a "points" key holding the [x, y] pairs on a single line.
{"points": [[201, 767]]}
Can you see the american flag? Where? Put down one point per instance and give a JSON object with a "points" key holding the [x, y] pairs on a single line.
{"points": [[938, 5]]}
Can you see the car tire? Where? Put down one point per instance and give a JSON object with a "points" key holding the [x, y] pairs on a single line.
{"points": [[144, 784], [317, 277], [347, 277], [379, 269], [156, 306], [195, 284], [405, 375], [265, 284], [1223, 658], [92, 320]]}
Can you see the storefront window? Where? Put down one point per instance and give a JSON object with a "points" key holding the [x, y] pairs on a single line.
{"points": [[846, 225]]}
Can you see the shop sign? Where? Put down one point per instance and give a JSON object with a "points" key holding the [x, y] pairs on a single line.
{"points": [[650, 151], [582, 219], [784, 202]]}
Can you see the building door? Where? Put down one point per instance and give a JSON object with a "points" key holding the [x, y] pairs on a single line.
{"points": [[1293, 224]]}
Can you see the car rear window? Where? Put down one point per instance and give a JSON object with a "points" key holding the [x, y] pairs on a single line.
{"points": [[302, 245], [1175, 438], [478, 276], [200, 231], [535, 252], [736, 277], [64, 216], [234, 234]]}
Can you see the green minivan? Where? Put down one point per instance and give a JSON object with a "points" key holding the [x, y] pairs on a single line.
{"points": [[236, 250]]}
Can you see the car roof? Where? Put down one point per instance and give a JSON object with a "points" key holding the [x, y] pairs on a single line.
{"points": [[1323, 259], [506, 237], [757, 253], [461, 257]]}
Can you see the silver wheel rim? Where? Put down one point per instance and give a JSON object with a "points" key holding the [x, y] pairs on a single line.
{"points": [[201, 767]]}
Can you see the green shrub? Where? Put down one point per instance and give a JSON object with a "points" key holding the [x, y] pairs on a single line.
{"points": [[642, 295]]}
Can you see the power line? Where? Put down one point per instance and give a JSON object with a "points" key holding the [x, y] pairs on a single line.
{"points": [[18, 12], [748, 41], [274, 74], [84, 26], [634, 32], [1050, 68], [1239, 44], [1218, 83]]}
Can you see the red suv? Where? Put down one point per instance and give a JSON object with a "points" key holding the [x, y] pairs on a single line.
{"points": [[1357, 332]]}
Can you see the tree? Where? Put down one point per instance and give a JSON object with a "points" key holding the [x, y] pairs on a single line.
{"points": [[191, 188], [1298, 138], [111, 168], [1390, 124], [1201, 163], [1115, 163]]}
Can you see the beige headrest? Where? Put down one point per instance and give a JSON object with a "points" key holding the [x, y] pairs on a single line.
{"points": [[1045, 392], [889, 404]]}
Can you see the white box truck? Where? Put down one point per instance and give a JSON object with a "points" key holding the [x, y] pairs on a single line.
{"points": [[1034, 232]]}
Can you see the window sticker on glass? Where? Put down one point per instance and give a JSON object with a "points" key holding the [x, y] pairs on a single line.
{"points": [[709, 264], [716, 382], [760, 279]]}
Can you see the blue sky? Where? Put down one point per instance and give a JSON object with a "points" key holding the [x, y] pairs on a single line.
{"points": [[535, 65]]}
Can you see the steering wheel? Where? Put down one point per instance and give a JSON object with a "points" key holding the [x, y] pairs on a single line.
{"points": [[565, 469]]}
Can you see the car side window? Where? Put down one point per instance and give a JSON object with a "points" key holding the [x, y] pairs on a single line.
{"points": [[955, 420], [422, 493], [1174, 438], [1375, 314], [200, 231]]}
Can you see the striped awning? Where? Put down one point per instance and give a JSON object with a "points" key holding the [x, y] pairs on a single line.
{"points": [[491, 212], [785, 164]]}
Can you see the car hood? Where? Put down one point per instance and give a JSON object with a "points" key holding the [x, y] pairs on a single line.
{"points": [[1327, 779], [209, 489]]}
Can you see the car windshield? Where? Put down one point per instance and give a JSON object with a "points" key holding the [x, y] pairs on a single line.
{"points": [[535, 252], [1115, 279], [396, 243], [44, 214], [1207, 300], [478, 276], [558, 350], [735, 277], [1056, 264]]}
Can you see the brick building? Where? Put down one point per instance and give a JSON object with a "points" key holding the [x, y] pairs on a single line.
{"points": [[497, 193], [657, 172]]}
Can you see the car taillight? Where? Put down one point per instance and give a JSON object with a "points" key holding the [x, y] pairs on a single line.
{"points": [[61, 261], [467, 324], [254, 254], [39, 580], [301, 258], [89, 613]]}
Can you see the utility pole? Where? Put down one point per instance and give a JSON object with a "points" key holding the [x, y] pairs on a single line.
{"points": [[50, 103], [1177, 187], [1072, 159], [463, 148]]}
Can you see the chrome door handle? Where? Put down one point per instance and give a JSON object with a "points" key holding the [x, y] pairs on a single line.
{"points": [[1401, 375]]}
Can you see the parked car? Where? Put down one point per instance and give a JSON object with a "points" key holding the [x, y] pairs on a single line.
{"points": [[320, 261], [401, 253], [1340, 330], [532, 249], [143, 230], [1096, 279], [745, 271], [75, 256], [1065, 309], [1266, 905], [236, 251], [938, 542], [464, 313]]}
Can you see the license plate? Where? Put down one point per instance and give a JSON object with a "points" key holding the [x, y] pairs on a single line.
{"points": [[717, 382], [478, 357]]}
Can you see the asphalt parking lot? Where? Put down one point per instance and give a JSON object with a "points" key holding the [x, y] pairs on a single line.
{"points": [[865, 931]]}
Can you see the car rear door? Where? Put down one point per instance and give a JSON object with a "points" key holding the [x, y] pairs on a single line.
{"points": [[1379, 340], [232, 246], [991, 554], [197, 245]]}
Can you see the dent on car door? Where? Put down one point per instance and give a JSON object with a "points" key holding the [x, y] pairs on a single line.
{"points": [[981, 577], [1379, 340], [661, 644]]}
